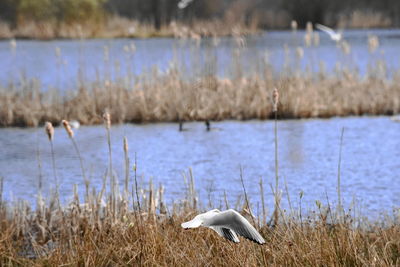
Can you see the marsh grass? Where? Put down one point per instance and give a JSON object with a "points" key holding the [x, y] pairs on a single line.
{"points": [[112, 229], [184, 93], [171, 98], [89, 234]]}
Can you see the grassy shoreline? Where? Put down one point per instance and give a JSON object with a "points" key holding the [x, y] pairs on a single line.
{"points": [[118, 27], [196, 93], [171, 99]]}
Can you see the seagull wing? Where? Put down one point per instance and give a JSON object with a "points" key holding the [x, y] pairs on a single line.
{"points": [[227, 233], [232, 220], [325, 29]]}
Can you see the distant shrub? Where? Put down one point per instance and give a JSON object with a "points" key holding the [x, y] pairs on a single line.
{"points": [[36, 10], [72, 11]]}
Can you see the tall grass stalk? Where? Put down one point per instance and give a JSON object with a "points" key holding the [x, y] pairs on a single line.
{"points": [[126, 157], [107, 124], [50, 134], [275, 98], [250, 211], [70, 133], [136, 184], [340, 208], [40, 175], [264, 213], [288, 197], [1, 192]]}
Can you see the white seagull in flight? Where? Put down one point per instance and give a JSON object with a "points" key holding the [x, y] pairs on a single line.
{"points": [[227, 224], [335, 36]]}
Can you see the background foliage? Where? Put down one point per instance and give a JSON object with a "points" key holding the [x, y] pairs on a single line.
{"points": [[264, 13]]}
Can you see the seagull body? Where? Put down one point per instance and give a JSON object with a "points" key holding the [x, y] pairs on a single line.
{"points": [[227, 224], [335, 36]]}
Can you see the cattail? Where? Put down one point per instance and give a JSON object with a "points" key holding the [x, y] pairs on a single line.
{"points": [[13, 45], [309, 34], [346, 48], [126, 147], [68, 128], [373, 43], [293, 25], [132, 46], [106, 53], [309, 28], [49, 130], [275, 98], [58, 51], [299, 52], [316, 38], [107, 120], [308, 39]]}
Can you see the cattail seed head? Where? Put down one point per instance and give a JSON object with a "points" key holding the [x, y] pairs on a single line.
{"points": [[107, 119], [126, 147], [293, 25], [346, 48], [49, 130], [308, 39], [58, 51], [373, 43], [13, 45], [309, 27], [316, 39], [68, 128], [299, 52], [275, 99]]}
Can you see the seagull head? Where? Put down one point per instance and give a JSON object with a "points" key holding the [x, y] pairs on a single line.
{"points": [[199, 219]]}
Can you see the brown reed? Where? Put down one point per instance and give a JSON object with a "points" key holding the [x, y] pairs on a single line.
{"points": [[126, 156], [275, 99], [340, 208], [70, 133], [49, 129]]}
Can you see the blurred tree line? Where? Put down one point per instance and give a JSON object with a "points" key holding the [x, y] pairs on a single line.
{"points": [[264, 13]]}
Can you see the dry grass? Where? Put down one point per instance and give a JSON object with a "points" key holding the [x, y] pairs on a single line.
{"points": [[165, 243], [94, 234], [171, 98], [136, 227]]}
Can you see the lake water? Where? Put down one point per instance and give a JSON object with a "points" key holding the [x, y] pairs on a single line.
{"points": [[308, 149], [308, 159], [38, 59]]}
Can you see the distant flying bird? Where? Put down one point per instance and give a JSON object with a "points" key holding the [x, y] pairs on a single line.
{"points": [[227, 224], [184, 3], [74, 124], [335, 36]]}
